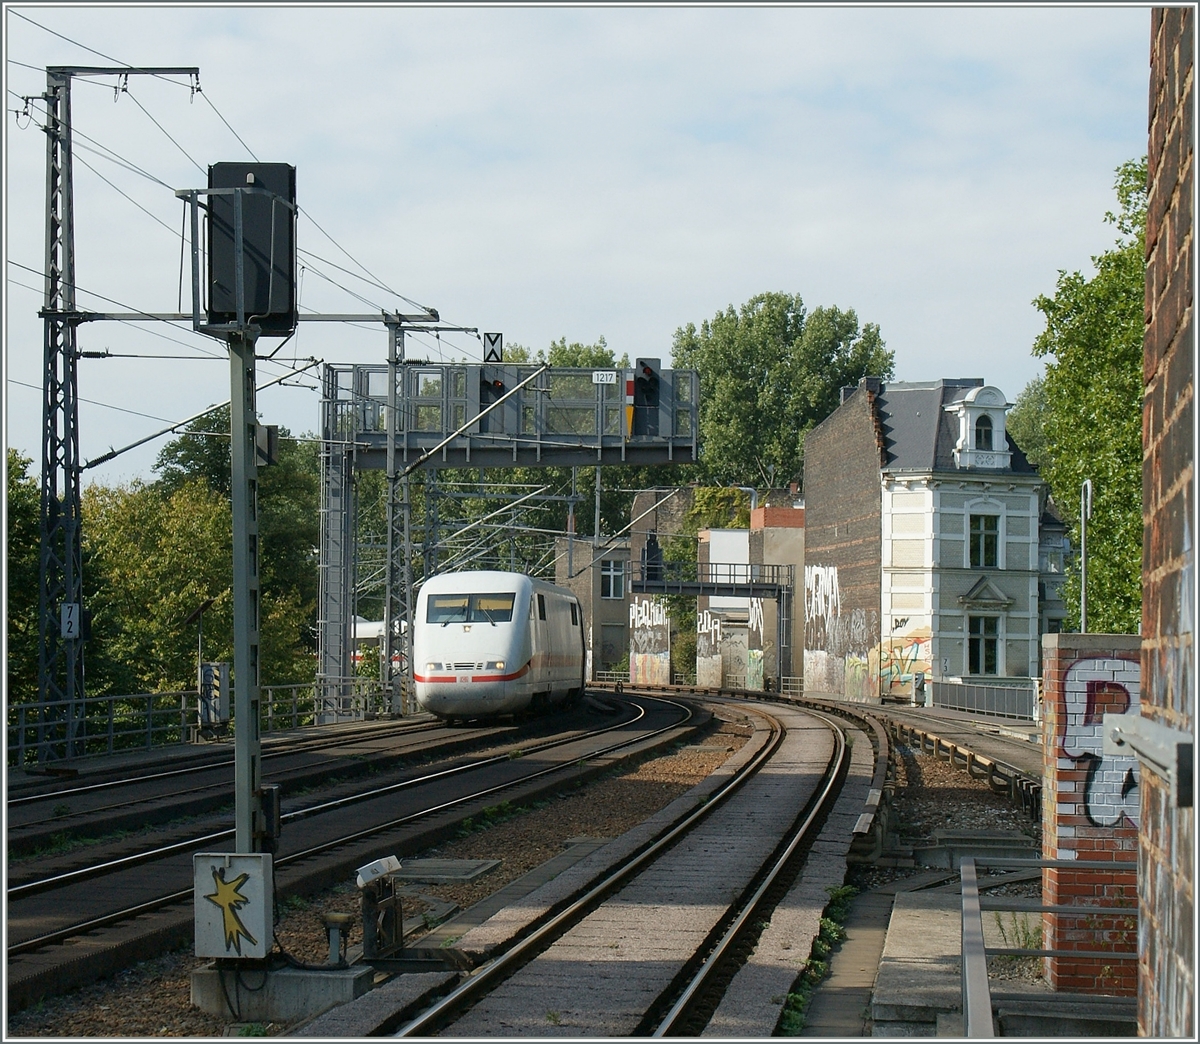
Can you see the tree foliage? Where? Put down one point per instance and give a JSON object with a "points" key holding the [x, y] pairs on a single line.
{"points": [[1092, 426], [769, 373], [154, 552], [152, 560], [23, 498], [1027, 419]]}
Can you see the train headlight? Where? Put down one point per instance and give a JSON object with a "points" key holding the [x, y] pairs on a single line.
{"points": [[433, 666], [495, 665]]}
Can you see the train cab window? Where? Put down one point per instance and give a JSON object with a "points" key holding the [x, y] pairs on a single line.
{"points": [[470, 608], [574, 615], [541, 607]]}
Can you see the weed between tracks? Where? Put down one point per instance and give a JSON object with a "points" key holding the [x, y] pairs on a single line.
{"points": [[794, 1016]]}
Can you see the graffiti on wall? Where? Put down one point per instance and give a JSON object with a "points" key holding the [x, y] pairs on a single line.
{"points": [[822, 603], [902, 657], [1091, 689], [840, 653], [708, 650], [649, 642], [755, 645]]}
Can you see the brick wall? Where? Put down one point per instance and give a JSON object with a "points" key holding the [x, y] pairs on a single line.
{"points": [[1090, 808], [1168, 838], [842, 555]]}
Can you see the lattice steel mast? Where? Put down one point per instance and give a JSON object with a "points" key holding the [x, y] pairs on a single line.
{"points": [[60, 597]]}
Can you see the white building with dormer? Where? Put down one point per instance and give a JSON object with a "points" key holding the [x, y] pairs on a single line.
{"points": [[922, 543]]}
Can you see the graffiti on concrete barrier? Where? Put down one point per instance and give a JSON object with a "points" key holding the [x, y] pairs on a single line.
{"points": [[649, 642], [1092, 688]]}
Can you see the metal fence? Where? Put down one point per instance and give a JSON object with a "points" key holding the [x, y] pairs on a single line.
{"points": [[103, 725], [1001, 701], [142, 721], [976, 988]]}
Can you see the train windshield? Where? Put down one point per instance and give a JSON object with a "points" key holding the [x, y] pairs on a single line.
{"points": [[470, 608]]}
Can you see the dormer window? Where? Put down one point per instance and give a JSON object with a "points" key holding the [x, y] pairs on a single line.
{"points": [[983, 433], [981, 441]]}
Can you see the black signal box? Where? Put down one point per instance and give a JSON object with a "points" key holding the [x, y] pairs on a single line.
{"points": [[646, 380], [268, 246]]}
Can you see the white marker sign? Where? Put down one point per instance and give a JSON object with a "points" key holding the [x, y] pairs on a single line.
{"points": [[604, 376], [68, 617]]}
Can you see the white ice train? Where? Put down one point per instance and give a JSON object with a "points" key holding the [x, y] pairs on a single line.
{"points": [[488, 643]]}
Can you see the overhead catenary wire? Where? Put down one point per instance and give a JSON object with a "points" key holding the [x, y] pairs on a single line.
{"points": [[94, 402], [105, 457], [153, 217], [92, 50], [205, 352], [208, 102], [150, 116]]}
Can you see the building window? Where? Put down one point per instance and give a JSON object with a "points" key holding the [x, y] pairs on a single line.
{"points": [[612, 579], [983, 645], [983, 433], [985, 541]]}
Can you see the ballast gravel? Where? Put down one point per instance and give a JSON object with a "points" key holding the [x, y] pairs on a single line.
{"points": [[153, 998]]}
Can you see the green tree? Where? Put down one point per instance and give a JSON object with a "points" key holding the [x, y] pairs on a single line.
{"points": [[23, 554], [153, 560], [1093, 409], [1027, 419], [768, 374], [201, 452], [713, 507]]}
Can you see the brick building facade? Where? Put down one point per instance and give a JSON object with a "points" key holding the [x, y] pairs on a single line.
{"points": [[924, 548], [843, 532], [1168, 836]]}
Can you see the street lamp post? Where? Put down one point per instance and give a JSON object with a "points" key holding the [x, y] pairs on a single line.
{"points": [[1085, 512]]}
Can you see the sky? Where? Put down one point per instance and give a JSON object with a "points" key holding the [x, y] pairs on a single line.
{"points": [[572, 172]]}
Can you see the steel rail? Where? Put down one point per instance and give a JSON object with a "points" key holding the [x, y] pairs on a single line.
{"points": [[490, 973], [753, 906], [70, 931], [224, 783], [85, 873], [306, 744]]}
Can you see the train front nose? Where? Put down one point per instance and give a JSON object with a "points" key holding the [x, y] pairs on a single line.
{"points": [[452, 690]]}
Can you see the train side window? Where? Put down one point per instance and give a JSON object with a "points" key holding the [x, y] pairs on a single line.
{"points": [[574, 615], [541, 607]]}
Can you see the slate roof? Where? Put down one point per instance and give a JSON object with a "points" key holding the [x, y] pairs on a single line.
{"points": [[919, 434]]}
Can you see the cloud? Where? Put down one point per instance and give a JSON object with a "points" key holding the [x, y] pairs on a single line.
{"points": [[579, 171]]}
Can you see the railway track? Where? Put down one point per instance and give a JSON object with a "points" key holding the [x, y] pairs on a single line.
{"points": [[159, 793], [70, 927], [648, 947]]}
